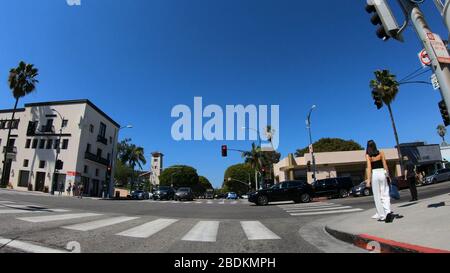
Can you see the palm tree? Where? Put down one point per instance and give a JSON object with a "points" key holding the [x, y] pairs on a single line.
{"points": [[136, 157], [386, 86], [442, 131], [254, 157], [22, 81]]}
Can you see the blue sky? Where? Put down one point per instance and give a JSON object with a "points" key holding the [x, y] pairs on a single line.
{"points": [[136, 59]]}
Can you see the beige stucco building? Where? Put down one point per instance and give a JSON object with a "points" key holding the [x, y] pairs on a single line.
{"points": [[84, 135], [330, 165]]}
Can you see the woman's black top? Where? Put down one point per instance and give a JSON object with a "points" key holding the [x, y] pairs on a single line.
{"points": [[377, 164]]}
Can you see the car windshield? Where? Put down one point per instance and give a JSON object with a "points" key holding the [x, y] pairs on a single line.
{"points": [[183, 190], [163, 189]]}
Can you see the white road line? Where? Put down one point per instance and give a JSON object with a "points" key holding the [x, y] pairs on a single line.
{"points": [[326, 212], [199, 202], [148, 229], [100, 223], [318, 209], [203, 231], [255, 230], [234, 202], [6, 202], [28, 247], [302, 205], [34, 208], [59, 217], [310, 207], [17, 211], [210, 202]]}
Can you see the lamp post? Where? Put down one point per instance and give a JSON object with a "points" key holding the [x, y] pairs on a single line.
{"points": [[58, 149], [113, 157], [242, 182], [308, 126]]}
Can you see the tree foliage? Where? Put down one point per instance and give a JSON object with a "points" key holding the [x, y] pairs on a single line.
{"points": [[236, 178], [331, 145], [180, 176]]}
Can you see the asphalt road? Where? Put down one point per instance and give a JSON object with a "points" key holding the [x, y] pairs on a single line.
{"points": [[41, 223]]}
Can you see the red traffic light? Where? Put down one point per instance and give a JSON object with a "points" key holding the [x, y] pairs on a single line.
{"points": [[224, 151]]}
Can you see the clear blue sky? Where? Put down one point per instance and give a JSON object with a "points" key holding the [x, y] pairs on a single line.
{"points": [[136, 59]]}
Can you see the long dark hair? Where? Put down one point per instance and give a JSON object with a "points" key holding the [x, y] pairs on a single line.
{"points": [[372, 149]]}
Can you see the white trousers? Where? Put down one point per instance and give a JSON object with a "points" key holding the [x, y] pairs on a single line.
{"points": [[380, 188]]}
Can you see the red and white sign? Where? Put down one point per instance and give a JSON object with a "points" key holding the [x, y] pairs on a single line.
{"points": [[439, 48], [424, 58], [73, 173]]}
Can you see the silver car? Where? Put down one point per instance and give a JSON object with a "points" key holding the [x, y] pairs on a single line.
{"points": [[440, 176]]}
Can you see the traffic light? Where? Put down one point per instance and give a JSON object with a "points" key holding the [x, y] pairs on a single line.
{"points": [[377, 99], [384, 18], [224, 151], [109, 169], [59, 165], [444, 113]]}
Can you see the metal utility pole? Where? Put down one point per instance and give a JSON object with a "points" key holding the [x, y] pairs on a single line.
{"points": [[308, 124], [58, 150], [440, 66]]}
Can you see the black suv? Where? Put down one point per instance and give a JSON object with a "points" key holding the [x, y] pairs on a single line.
{"points": [[297, 191], [164, 193], [333, 187]]}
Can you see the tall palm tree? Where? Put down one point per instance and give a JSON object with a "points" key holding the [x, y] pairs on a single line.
{"points": [[442, 131], [136, 157], [254, 157], [22, 81], [385, 84]]}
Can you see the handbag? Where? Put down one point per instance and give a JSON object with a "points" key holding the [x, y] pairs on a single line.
{"points": [[393, 191]]}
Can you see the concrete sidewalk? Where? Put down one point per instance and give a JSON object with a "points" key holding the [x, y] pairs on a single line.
{"points": [[425, 228]]}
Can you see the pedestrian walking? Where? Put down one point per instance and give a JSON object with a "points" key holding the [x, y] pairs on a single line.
{"points": [[60, 188], [75, 189], [410, 175], [378, 176], [80, 191], [69, 189]]}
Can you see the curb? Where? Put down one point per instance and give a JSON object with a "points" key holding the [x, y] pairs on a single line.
{"points": [[366, 241]]}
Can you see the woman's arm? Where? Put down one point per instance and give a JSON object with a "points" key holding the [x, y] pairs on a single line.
{"points": [[385, 165], [369, 172]]}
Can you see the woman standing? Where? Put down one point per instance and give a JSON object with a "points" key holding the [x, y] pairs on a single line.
{"points": [[378, 175]]}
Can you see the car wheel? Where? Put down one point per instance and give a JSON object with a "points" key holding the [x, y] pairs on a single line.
{"points": [[366, 192], [305, 198], [263, 200], [343, 193]]}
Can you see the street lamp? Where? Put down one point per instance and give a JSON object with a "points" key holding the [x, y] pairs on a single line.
{"points": [[58, 149], [308, 126], [113, 158]]}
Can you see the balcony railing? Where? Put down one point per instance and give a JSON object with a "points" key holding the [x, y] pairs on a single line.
{"points": [[96, 158], [10, 149], [102, 139]]}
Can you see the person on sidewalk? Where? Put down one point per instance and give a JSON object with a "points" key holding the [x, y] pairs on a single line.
{"points": [[378, 175], [410, 175], [75, 189], [80, 191], [69, 189]]}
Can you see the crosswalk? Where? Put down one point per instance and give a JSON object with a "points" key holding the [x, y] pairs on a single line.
{"points": [[319, 208], [10, 207]]}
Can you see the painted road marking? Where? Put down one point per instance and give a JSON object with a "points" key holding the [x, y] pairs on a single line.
{"points": [[204, 231], [28, 247], [148, 229], [255, 230], [318, 209], [100, 223], [59, 217], [326, 212]]}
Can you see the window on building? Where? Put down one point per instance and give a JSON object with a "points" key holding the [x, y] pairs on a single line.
{"points": [[42, 144], [88, 148], [96, 172], [48, 127], [102, 131], [2, 124], [85, 169], [15, 124], [65, 144], [28, 144], [35, 143], [41, 164], [64, 123], [57, 143], [26, 162], [24, 177], [91, 128], [49, 144], [99, 152]]}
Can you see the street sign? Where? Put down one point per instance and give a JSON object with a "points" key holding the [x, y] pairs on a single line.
{"points": [[439, 48], [435, 82], [424, 58]]}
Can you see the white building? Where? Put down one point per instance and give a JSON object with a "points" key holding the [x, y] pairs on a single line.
{"points": [[86, 137], [157, 167]]}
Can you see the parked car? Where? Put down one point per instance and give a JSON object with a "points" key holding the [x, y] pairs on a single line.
{"points": [[164, 193], [333, 187], [140, 195], [184, 194], [438, 177], [361, 190], [297, 191], [209, 194], [232, 196]]}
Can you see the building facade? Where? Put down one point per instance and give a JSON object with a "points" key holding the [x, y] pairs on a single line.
{"points": [[156, 168], [76, 134]]}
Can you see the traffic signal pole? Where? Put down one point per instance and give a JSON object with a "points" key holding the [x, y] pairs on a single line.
{"points": [[441, 70]]}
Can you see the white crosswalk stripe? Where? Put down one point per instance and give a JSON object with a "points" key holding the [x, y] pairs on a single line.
{"points": [[16, 211], [100, 223], [59, 217], [204, 231], [148, 229], [255, 230], [31, 208], [319, 208]]}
